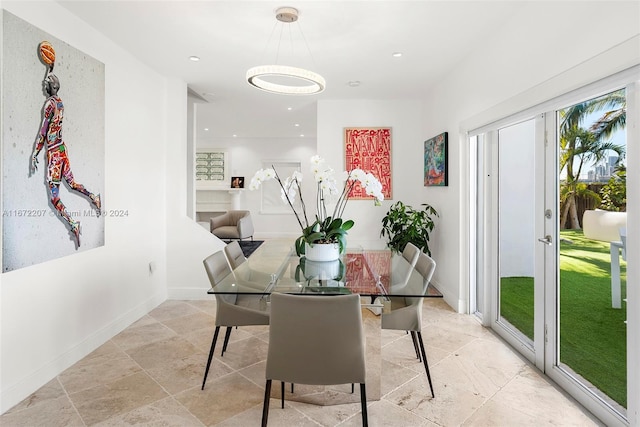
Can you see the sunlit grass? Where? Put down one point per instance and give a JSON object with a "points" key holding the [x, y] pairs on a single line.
{"points": [[592, 333]]}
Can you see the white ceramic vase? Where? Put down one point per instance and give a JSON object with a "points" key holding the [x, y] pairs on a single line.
{"points": [[322, 270], [322, 251]]}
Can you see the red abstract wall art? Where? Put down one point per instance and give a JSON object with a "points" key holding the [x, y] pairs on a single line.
{"points": [[369, 149]]}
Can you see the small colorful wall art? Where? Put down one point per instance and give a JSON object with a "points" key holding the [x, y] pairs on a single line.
{"points": [[237, 182], [369, 149], [435, 161]]}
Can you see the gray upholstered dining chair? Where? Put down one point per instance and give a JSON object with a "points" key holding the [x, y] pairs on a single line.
{"points": [[307, 345], [231, 309], [406, 312], [234, 254], [403, 272]]}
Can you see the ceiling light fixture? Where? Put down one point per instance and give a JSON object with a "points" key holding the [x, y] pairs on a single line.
{"points": [[194, 58], [285, 79]]}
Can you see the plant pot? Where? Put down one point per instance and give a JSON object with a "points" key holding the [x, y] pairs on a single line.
{"points": [[322, 251], [322, 270]]}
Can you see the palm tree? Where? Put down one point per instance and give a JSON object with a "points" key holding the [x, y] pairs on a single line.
{"points": [[579, 146]]}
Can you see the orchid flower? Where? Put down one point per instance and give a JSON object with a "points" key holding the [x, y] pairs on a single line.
{"points": [[325, 228]]}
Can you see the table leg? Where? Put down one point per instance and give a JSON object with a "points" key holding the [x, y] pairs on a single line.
{"points": [[615, 275]]}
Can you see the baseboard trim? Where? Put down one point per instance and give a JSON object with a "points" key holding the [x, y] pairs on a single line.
{"points": [[17, 392]]}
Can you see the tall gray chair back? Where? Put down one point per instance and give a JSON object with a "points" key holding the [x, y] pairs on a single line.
{"points": [[231, 309], [315, 340], [402, 273], [234, 254], [406, 312], [411, 253]]}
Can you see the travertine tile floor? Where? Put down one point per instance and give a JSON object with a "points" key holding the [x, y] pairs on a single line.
{"points": [[150, 374]]}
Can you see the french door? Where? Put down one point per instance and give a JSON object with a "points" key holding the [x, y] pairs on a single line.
{"points": [[519, 230], [529, 283]]}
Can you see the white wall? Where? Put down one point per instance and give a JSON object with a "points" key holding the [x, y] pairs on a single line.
{"points": [[187, 242], [517, 207], [407, 147], [246, 156], [54, 313]]}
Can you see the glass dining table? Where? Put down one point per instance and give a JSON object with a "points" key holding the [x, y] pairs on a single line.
{"points": [[376, 275]]}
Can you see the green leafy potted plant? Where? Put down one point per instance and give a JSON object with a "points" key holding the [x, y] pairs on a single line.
{"points": [[403, 224]]}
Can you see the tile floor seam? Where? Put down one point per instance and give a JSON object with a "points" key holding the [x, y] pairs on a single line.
{"points": [[262, 386], [73, 405], [416, 375], [101, 383], [148, 374], [186, 409], [406, 410], [287, 405], [115, 415]]}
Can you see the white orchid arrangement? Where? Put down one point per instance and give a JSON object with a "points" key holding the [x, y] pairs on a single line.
{"points": [[326, 228]]}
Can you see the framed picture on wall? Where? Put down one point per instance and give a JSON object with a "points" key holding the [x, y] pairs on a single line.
{"points": [[435, 161], [237, 182], [272, 202], [369, 149]]}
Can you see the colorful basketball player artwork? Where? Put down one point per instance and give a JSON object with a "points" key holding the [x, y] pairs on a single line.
{"points": [[58, 165], [369, 149], [53, 147]]}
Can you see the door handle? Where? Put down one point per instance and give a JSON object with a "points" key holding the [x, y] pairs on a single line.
{"points": [[546, 240]]}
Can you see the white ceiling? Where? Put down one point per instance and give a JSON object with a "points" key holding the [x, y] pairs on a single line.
{"points": [[347, 40]]}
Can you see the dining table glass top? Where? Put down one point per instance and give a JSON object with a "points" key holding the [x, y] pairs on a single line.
{"points": [[275, 267]]}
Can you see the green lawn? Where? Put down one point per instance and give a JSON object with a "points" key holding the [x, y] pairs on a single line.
{"points": [[592, 334]]}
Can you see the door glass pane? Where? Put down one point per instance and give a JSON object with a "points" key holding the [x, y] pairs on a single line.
{"points": [[516, 243], [592, 327]]}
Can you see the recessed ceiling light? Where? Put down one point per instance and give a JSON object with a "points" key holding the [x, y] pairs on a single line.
{"points": [[297, 125], [396, 54], [302, 135], [194, 58], [234, 135], [354, 83], [289, 108], [207, 129]]}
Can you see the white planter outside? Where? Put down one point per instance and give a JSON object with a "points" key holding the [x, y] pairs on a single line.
{"points": [[322, 251]]}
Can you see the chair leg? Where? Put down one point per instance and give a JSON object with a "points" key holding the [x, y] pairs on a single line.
{"points": [[226, 339], [363, 400], [265, 405], [426, 364], [415, 345], [213, 347], [282, 393], [291, 388]]}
